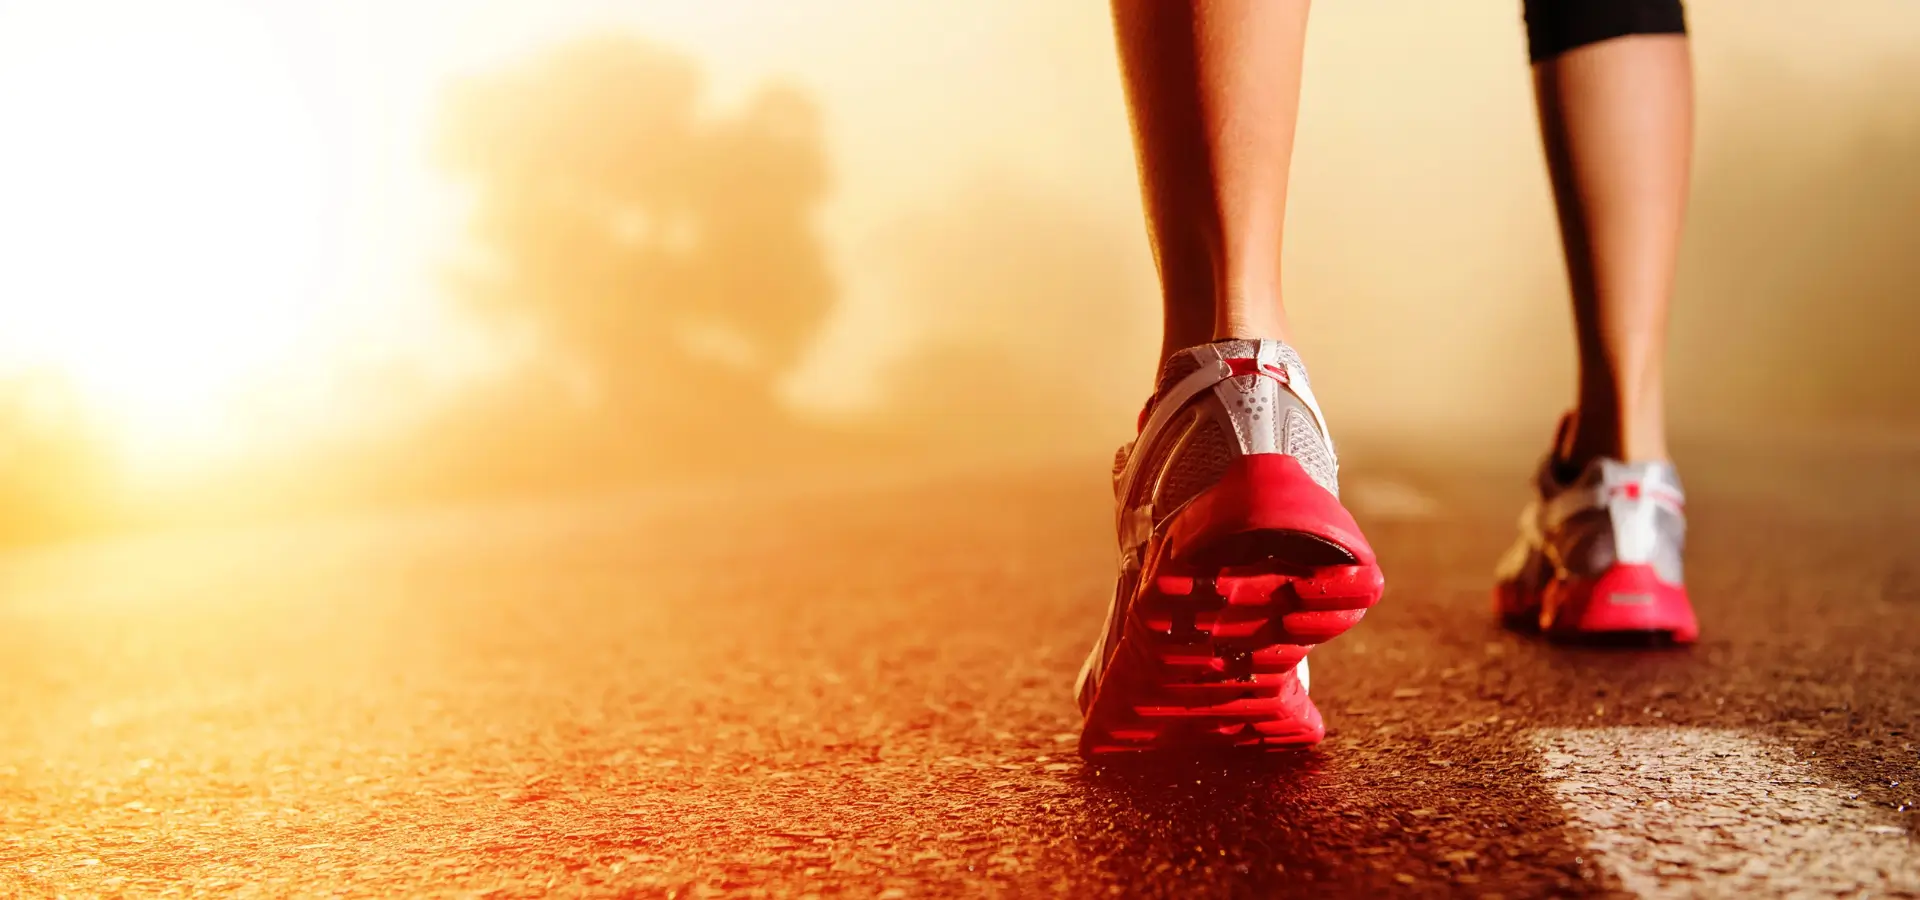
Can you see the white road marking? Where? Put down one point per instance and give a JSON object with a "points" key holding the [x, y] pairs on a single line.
{"points": [[1692, 812], [1385, 498]]}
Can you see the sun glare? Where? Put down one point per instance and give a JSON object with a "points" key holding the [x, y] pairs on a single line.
{"points": [[165, 213]]}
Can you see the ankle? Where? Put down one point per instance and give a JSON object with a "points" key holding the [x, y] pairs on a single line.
{"points": [[1589, 437], [1251, 311], [1273, 328]]}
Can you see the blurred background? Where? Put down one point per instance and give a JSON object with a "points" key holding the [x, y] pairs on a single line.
{"points": [[266, 259]]}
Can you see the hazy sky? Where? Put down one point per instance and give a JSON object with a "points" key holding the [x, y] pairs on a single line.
{"points": [[217, 215]]}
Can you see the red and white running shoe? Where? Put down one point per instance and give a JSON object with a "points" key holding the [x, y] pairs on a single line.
{"points": [[1599, 556], [1236, 557]]}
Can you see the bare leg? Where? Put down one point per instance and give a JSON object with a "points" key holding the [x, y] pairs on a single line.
{"points": [[1617, 119], [1214, 86]]}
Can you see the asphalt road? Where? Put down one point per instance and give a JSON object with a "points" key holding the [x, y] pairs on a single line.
{"points": [[860, 686]]}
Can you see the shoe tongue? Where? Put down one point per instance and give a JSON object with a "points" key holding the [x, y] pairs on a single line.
{"points": [[1555, 475]]}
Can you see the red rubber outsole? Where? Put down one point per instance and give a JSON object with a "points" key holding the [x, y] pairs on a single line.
{"points": [[1208, 655], [1626, 601]]}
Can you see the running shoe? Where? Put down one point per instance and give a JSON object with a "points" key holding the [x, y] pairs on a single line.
{"points": [[1236, 558], [1599, 555]]}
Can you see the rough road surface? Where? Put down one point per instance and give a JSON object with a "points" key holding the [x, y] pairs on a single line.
{"points": [[860, 686]]}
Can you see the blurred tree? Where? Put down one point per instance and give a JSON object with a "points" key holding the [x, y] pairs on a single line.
{"points": [[662, 259]]}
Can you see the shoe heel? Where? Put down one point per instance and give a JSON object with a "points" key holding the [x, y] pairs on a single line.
{"points": [[1272, 541], [1252, 574], [1626, 599]]}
